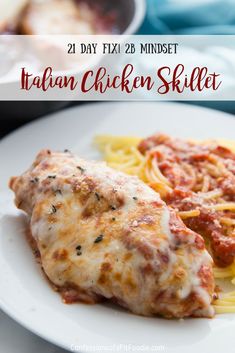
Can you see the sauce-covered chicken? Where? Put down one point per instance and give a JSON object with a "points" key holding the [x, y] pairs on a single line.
{"points": [[103, 234], [67, 17]]}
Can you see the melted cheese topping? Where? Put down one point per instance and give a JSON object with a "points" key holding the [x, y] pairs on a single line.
{"points": [[108, 234], [55, 17]]}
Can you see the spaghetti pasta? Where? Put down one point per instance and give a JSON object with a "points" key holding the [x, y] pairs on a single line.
{"points": [[203, 173]]}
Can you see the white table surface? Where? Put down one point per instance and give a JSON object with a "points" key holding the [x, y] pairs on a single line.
{"points": [[16, 339]]}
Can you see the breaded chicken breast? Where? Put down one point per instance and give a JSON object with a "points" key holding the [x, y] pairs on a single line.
{"points": [[103, 234]]}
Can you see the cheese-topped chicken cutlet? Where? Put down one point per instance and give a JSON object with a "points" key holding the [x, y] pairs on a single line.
{"points": [[104, 234], [54, 17], [10, 14], [67, 17]]}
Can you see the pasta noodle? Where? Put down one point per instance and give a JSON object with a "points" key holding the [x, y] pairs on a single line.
{"points": [[122, 153]]}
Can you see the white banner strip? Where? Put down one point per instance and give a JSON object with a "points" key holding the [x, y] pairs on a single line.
{"points": [[117, 67]]}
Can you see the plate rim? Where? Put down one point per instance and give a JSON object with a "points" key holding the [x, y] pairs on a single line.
{"points": [[105, 103]]}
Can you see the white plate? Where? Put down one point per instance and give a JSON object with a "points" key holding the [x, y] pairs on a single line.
{"points": [[27, 297], [16, 339]]}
